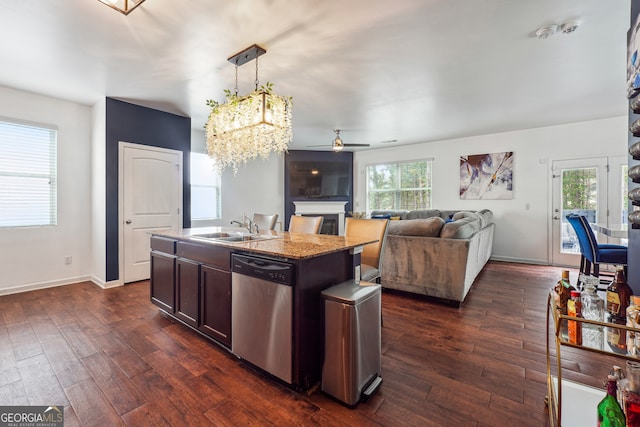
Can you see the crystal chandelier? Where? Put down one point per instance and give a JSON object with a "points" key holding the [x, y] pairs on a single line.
{"points": [[246, 127], [122, 6]]}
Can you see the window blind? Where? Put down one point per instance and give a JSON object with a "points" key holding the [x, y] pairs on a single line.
{"points": [[28, 178]]}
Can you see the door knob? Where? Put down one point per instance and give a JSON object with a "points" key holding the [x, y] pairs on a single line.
{"points": [[555, 217], [128, 221]]}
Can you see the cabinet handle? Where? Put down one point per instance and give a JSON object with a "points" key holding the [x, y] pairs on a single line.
{"points": [[128, 221]]}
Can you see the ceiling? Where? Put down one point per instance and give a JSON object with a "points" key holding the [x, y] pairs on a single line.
{"points": [[409, 70]]}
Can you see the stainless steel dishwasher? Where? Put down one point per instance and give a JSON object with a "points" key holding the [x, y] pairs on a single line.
{"points": [[261, 313]]}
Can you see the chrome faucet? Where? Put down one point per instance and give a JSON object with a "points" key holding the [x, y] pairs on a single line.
{"points": [[246, 223]]}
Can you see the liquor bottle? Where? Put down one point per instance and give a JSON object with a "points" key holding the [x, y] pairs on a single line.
{"points": [[631, 399], [633, 320], [592, 304], [616, 337], [622, 382], [609, 411], [634, 173], [632, 408], [634, 150], [618, 296], [574, 308], [563, 292]]}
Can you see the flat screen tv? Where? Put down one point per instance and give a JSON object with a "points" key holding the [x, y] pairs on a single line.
{"points": [[319, 179]]}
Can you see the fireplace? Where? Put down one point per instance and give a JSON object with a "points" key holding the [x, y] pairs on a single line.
{"points": [[330, 223], [333, 213]]}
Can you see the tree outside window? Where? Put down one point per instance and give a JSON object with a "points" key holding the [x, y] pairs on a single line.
{"points": [[399, 186]]}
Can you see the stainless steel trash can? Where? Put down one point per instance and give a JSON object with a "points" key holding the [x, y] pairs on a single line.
{"points": [[351, 368]]}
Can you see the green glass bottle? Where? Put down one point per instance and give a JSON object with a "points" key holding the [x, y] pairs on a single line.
{"points": [[609, 411]]}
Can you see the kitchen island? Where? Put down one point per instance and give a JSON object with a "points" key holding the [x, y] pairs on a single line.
{"points": [[191, 281]]}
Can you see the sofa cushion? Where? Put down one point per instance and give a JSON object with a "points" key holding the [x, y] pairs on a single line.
{"points": [[463, 227], [448, 214], [466, 214], [486, 217], [429, 227], [402, 213], [423, 214]]}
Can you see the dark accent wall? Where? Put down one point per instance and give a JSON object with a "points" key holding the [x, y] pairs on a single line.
{"points": [[321, 156], [140, 125]]}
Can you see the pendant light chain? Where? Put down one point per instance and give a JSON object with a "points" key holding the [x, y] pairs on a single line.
{"points": [[257, 81], [236, 88]]}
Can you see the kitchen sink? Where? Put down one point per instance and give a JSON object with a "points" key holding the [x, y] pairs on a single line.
{"points": [[216, 235], [246, 238], [235, 237]]}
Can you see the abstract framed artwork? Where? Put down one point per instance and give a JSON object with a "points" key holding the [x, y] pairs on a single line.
{"points": [[486, 176]]}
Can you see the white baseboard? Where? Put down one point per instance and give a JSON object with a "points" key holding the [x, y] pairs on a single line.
{"points": [[106, 285], [44, 285], [519, 260]]}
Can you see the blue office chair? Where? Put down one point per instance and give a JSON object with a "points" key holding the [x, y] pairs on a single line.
{"points": [[591, 251]]}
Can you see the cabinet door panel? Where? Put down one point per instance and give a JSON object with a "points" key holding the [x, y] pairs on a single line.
{"points": [[216, 304], [187, 291], [162, 287]]}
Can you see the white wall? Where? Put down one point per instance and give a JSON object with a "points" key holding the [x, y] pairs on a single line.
{"points": [[257, 188], [34, 257], [98, 193], [523, 223]]}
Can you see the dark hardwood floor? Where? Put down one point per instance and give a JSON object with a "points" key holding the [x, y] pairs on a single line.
{"points": [[111, 358]]}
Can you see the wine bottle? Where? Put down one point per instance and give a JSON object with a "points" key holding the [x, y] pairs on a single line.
{"points": [[634, 150], [635, 128], [634, 173], [634, 105], [634, 194], [634, 217], [609, 411]]}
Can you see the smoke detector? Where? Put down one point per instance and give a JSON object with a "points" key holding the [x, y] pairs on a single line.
{"points": [[569, 26], [547, 31]]}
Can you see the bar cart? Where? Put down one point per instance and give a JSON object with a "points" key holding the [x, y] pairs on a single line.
{"points": [[567, 401]]}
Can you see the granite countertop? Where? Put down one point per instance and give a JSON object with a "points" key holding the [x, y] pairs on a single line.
{"points": [[278, 243]]}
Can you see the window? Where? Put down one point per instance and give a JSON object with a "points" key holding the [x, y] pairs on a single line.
{"points": [[205, 190], [395, 186], [28, 179]]}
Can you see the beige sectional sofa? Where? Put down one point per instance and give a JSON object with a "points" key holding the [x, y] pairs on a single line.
{"points": [[436, 253]]}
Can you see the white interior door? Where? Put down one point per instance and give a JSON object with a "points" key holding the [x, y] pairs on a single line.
{"points": [[579, 186], [618, 200], [151, 180]]}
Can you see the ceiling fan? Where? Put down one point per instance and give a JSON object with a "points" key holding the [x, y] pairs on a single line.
{"points": [[338, 144]]}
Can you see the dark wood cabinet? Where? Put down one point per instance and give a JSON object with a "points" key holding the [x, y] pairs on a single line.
{"points": [[192, 282], [215, 303], [188, 291], [163, 268], [163, 273]]}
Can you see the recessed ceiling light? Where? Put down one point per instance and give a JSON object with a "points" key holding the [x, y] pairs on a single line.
{"points": [[547, 31], [570, 26]]}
